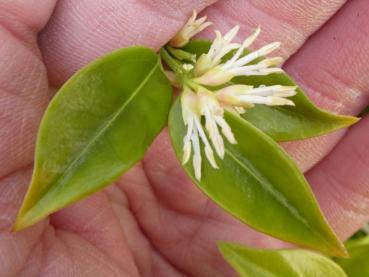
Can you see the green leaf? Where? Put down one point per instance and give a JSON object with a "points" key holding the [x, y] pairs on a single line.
{"points": [[357, 265], [98, 125], [252, 262], [259, 184], [284, 123]]}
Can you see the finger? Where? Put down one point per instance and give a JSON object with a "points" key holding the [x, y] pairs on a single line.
{"points": [[79, 33], [341, 181], [174, 189], [331, 67], [325, 66], [23, 96], [193, 222], [94, 220], [221, 13], [16, 249], [23, 90], [23, 81], [290, 22]]}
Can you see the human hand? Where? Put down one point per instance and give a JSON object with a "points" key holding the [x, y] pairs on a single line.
{"points": [[154, 221]]}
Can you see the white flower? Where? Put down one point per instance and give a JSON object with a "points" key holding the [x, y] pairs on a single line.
{"points": [[246, 96], [219, 48], [192, 119], [194, 106], [211, 72], [213, 112], [190, 29], [200, 104]]}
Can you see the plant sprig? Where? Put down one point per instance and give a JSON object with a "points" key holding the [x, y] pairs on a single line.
{"points": [[233, 105]]}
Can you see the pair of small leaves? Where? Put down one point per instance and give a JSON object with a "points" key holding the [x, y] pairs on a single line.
{"points": [[104, 118], [275, 263]]}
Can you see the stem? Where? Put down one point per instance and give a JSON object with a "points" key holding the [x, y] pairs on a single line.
{"points": [[171, 62], [180, 54]]}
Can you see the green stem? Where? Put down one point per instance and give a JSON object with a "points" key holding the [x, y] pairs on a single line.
{"points": [[180, 54], [171, 62]]}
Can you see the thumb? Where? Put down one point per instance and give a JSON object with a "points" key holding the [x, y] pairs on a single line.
{"points": [[82, 31]]}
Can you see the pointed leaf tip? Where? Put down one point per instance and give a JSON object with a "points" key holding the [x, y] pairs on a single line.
{"points": [[283, 123], [92, 131], [282, 262], [272, 195]]}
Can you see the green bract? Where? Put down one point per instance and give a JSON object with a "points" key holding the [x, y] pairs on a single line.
{"points": [[283, 123], [276, 263], [98, 125], [259, 184]]}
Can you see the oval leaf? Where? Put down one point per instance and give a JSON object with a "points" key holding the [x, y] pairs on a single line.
{"points": [[259, 184], [284, 123], [285, 262], [357, 265], [98, 125]]}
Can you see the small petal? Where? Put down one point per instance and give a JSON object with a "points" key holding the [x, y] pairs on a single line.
{"points": [[210, 156], [276, 90], [196, 161], [278, 101], [271, 62], [269, 100], [204, 139], [220, 47], [233, 90], [226, 130], [247, 42], [215, 77], [192, 27], [187, 143], [242, 95]]}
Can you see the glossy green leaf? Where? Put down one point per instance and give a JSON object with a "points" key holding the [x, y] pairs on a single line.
{"points": [[98, 125], [252, 262], [259, 184], [284, 123], [358, 263]]}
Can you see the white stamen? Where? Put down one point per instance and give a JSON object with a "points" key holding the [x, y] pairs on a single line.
{"points": [[208, 149], [196, 161], [242, 95], [247, 42], [263, 51], [226, 130]]}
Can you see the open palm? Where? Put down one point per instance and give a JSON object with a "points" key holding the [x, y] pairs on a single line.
{"points": [[153, 221]]}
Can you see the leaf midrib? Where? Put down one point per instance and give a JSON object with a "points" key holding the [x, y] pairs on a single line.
{"points": [[102, 129], [299, 218]]}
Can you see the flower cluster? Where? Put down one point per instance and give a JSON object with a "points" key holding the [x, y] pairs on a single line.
{"points": [[207, 93]]}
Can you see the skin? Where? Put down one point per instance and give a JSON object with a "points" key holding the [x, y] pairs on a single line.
{"points": [[153, 221]]}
